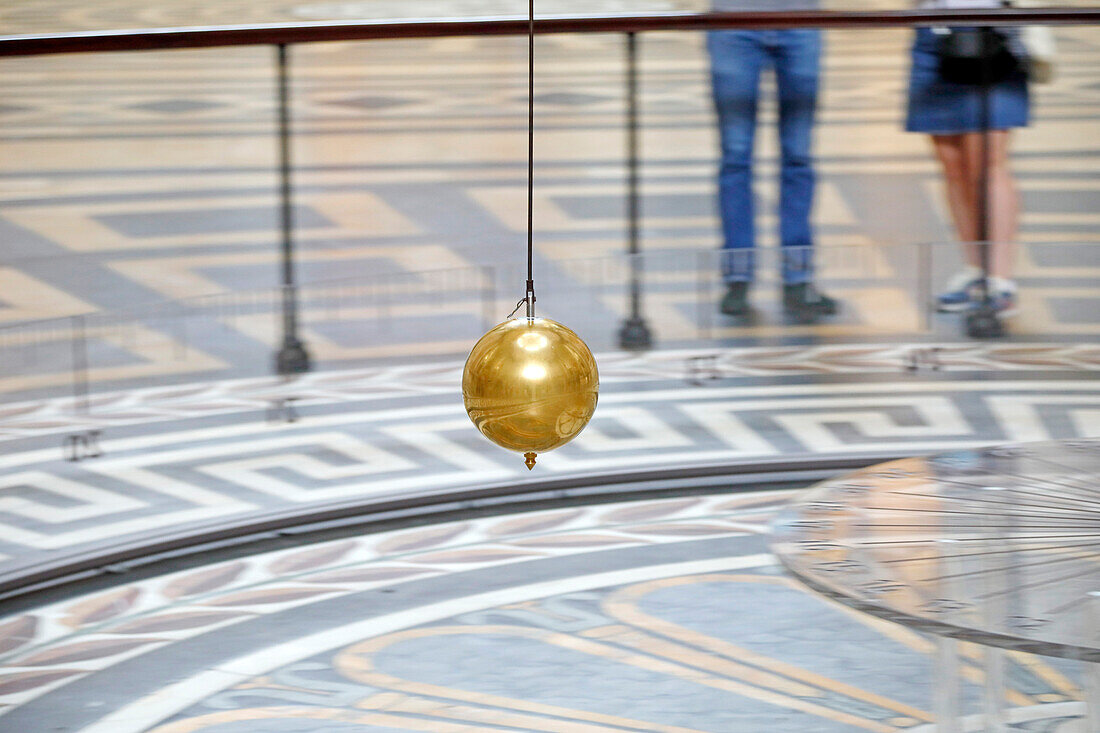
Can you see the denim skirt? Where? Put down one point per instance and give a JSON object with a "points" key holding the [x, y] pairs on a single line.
{"points": [[943, 108]]}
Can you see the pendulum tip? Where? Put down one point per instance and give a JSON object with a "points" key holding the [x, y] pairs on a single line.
{"points": [[529, 459]]}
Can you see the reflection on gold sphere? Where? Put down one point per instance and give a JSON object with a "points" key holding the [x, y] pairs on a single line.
{"points": [[530, 385]]}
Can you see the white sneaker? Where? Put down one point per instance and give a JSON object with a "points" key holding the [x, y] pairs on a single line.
{"points": [[962, 291]]}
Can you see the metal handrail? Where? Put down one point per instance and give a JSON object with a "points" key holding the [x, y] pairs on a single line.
{"points": [[146, 39]]}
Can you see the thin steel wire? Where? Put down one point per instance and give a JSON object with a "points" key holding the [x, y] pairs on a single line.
{"points": [[971, 500], [1041, 524], [1071, 500], [1044, 562], [924, 510], [1011, 550], [530, 293]]}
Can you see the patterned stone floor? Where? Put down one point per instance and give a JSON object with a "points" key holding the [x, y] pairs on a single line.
{"points": [[140, 189], [664, 615], [167, 459]]}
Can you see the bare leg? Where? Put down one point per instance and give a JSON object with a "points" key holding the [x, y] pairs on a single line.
{"points": [[1004, 200], [961, 192]]}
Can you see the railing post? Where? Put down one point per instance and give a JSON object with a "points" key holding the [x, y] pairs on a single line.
{"points": [[292, 357], [634, 333]]}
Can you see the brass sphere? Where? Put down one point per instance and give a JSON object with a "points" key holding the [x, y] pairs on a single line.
{"points": [[530, 385]]}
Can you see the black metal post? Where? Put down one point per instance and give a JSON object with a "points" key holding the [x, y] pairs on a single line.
{"points": [[634, 333], [982, 321], [292, 357]]}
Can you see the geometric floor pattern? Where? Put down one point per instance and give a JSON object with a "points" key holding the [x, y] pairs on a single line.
{"points": [[665, 615], [104, 410], [167, 458]]}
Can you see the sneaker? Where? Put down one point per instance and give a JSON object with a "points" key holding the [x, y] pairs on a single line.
{"points": [[736, 300], [1002, 296], [803, 299], [963, 290]]}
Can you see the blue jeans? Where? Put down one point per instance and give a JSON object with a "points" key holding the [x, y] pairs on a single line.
{"points": [[737, 58]]}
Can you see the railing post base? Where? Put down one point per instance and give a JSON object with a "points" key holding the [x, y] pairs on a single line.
{"points": [[635, 335], [292, 358]]}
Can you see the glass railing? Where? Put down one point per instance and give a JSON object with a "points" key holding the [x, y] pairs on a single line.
{"points": [[436, 315]]}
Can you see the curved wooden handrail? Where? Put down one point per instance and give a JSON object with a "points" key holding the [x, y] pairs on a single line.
{"points": [[317, 32]]}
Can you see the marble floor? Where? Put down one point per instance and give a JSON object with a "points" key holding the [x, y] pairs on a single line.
{"points": [[647, 615], [653, 615], [143, 463]]}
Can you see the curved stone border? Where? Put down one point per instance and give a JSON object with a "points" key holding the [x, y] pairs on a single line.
{"points": [[108, 559]]}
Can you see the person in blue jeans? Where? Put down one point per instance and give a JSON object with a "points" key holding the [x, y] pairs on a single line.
{"points": [[737, 59]]}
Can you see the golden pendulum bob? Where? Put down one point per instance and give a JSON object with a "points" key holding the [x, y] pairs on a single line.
{"points": [[530, 385]]}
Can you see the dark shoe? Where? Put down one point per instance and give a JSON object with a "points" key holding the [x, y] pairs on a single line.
{"points": [[803, 299], [736, 300]]}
